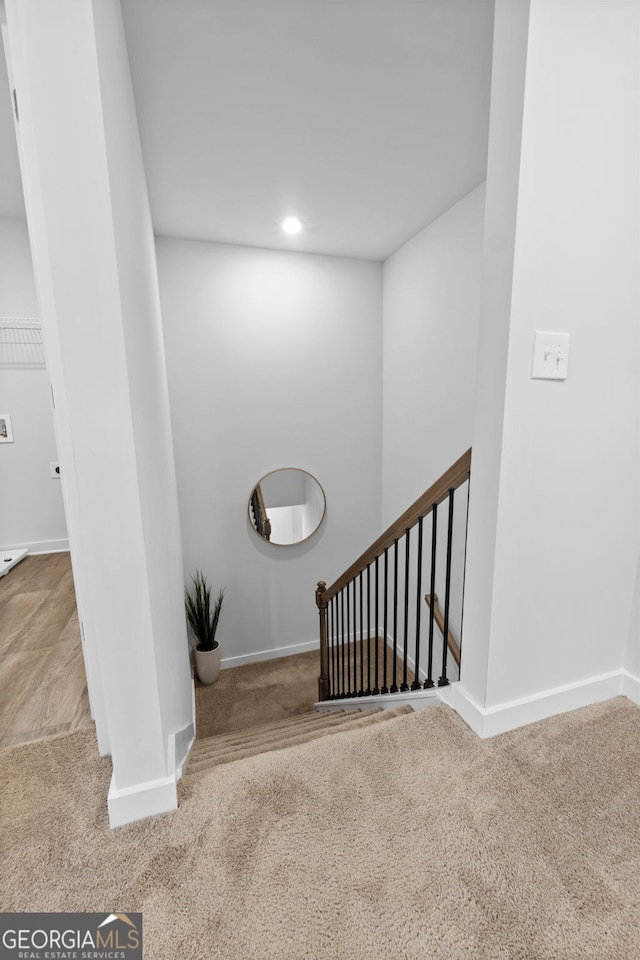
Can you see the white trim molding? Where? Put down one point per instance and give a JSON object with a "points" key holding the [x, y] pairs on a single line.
{"points": [[153, 796], [270, 654], [491, 721], [38, 546], [180, 748], [631, 686], [142, 800]]}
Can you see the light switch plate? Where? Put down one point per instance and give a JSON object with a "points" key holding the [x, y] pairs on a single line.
{"points": [[550, 356]]}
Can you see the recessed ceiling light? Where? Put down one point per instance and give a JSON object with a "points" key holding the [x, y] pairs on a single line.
{"points": [[291, 225]]}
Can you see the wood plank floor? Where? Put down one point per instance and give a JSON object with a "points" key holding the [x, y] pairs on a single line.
{"points": [[43, 688]]}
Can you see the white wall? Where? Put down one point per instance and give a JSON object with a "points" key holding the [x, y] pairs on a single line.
{"points": [[31, 508], [511, 27], [430, 321], [431, 297], [94, 260], [632, 653], [154, 485], [562, 602], [274, 360]]}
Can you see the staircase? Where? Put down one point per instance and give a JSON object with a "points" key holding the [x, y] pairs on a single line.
{"points": [[226, 748], [375, 641], [377, 650]]}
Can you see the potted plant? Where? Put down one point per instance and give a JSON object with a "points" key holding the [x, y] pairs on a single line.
{"points": [[203, 619]]}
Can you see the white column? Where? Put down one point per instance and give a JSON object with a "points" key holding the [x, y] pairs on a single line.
{"points": [[501, 201], [553, 531], [95, 267]]}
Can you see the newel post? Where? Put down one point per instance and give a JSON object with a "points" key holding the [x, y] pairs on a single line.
{"points": [[323, 679]]}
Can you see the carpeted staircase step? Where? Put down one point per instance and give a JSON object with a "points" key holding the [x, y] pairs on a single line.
{"points": [[304, 726], [280, 729], [214, 751], [281, 726]]}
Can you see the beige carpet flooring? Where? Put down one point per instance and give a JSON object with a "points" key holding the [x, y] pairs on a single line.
{"points": [[229, 747], [410, 839], [257, 693]]}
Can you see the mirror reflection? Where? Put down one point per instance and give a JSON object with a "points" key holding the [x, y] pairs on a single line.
{"points": [[286, 506]]}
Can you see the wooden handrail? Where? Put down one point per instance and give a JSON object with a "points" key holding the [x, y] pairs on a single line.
{"points": [[454, 477], [438, 616]]}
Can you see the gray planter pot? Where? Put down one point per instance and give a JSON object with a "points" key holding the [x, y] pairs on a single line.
{"points": [[208, 664]]}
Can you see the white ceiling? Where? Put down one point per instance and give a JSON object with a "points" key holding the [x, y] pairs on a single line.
{"points": [[366, 118]]}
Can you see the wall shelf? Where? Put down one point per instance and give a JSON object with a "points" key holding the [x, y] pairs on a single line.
{"points": [[21, 344]]}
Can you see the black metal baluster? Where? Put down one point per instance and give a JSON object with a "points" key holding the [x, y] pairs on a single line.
{"points": [[348, 690], [405, 666], [368, 690], [338, 664], [394, 685], [384, 688], [443, 682], [376, 688], [416, 680], [354, 684], [361, 690], [342, 673], [434, 537], [354, 692], [330, 670], [336, 650]]}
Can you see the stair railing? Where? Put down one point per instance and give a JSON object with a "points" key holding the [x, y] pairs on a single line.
{"points": [[259, 511], [452, 643], [371, 628]]}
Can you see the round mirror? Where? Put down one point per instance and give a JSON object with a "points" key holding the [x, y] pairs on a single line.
{"points": [[286, 506]]}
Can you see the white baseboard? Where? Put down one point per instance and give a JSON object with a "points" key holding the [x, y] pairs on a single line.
{"points": [[631, 686], [270, 654], [142, 800], [490, 721], [39, 546], [154, 796]]}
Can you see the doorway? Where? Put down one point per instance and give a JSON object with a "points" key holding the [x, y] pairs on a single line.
{"points": [[43, 686]]}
